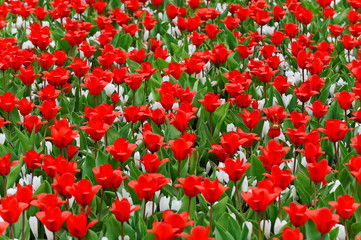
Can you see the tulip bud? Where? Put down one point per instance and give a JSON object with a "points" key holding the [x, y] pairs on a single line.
{"points": [[266, 225], [279, 225], [164, 203]]}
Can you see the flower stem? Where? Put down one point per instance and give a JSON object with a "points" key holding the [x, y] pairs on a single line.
{"points": [[315, 196], [295, 162], [345, 225], [239, 198], [336, 154], [23, 227], [101, 203], [179, 166], [211, 125], [279, 207], [189, 203], [122, 225], [12, 231], [259, 225], [4, 183], [210, 216]]}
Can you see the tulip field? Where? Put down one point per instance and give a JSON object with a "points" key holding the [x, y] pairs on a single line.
{"points": [[180, 119]]}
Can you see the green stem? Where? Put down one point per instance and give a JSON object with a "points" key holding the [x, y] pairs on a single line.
{"points": [[101, 203]]}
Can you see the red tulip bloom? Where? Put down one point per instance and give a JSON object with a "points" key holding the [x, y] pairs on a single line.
{"points": [[297, 213], [27, 75], [5, 164], [46, 60], [79, 67], [134, 80], [153, 141], [53, 218], [87, 49], [83, 192], [121, 150], [199, 233], [178, 221], [148, 184], [8, 101], [96, 128], [260, 198], [318, 171], [47, 200], [251, 119], [212, 30], [78, 225], [211, 102], [25, 107], [345, 99], [305, 91], [32, 159], [335, 130], [273, 154], [345, 206], [32, 122], [319, 110], [280, 178], [107, 177], [48, 92], [49, 109], [122, 209], [297, 136], [61, 183], [151, 162], [180, 120], [57, 77], [61, 133], [211, 191], [163, 231], [180, 148], [290, 234], [231, 142], [323, 218], [94, 84], [11, 209], [189, 185], [24, 194], [235, 169], [281, 84], [220, 53]]}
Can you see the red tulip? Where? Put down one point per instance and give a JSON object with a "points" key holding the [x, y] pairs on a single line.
{"points": [[178, 221], [163, 231], [297, 213], [345, 206], [61, 133], [107, 177], [25, 107], [61, 183], [96, 128], [57, 77], [151, 162], [53, 218], [24, 194], [8, 101], [180, 148], [211, 191], [280, 178], [199, 233], [122, 209], [11, 209], [49, 109], [121, 150], [78, 225], [189, 185], [318, 171], [83, 192], [27, 75], [335, 130], [273, 154], [260, 198], [345, 99], [235, 169], [148, 184], [5, 164], [323, 218]]}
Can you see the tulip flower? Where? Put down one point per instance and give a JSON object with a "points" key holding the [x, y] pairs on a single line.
{"points": [[211, 192], [251, 119], [163, 231], [151, 162], [199, 233], [235, 171], [147, 185], [96, 129], [335, 130], [318, 172], [297, 213], [53, 218], [189, 185], [323, 218], [181, 149], [8, 102], [78, 225], [83, 192], [122, 210], [121, 150], [25, 107], [345, 100]]}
